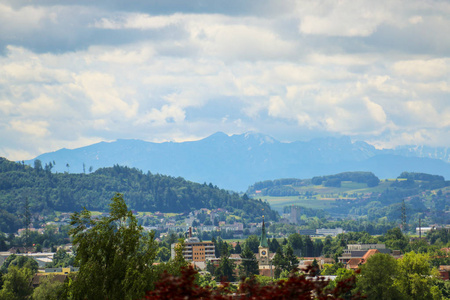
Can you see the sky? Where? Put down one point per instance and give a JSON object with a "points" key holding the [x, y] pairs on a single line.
{"points": [[73, 73]]}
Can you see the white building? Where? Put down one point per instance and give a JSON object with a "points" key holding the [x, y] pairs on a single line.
{"points": [[329, 231]]}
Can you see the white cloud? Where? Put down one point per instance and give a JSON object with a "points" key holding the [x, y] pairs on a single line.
{"points": [[41, 106], [126, 56], [167, 114], [415, 19], [139, 21], [421, 69], [242, 41], [100, 88], [35, 128], [309, 67], [343, 18], [277, 107], [376, 111], [21, 19]]}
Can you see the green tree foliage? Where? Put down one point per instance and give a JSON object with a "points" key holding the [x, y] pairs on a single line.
{"points": [[61, 259], [268, 185], [291, 259], [273, 245], [163, 254], [396, 240], [279, 262], [9, 222], [416, 278], [377, 277], [331, 269], [20, 261], [296, 242], [308, 247], [49, 289], [144, 192], [384, 277], [52, 236], [249, 265], [253, 243], [176, 263], [421, 176], [335, 180], [114, 254], [439, 236], [225, 270], [237, 248], [16, 284]]}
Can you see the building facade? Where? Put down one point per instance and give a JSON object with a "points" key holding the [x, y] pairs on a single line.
{"points": [[195, 250]]}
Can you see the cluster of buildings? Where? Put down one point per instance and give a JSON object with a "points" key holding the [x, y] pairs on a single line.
{"points": [[358, 254], [199, 253]]}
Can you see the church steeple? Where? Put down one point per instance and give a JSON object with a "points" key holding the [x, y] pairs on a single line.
{"points": [[263, 243]]}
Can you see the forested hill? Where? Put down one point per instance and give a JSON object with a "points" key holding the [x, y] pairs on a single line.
{"points": [[47, 191], [285, 187], [409, 197]]}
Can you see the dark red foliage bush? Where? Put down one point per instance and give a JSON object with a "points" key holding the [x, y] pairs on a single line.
{"points": [[296, 287]]}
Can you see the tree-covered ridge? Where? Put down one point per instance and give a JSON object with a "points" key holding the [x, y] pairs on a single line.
{"points": [[335, 180], [412, 195], [47, 192], [286, 186]]}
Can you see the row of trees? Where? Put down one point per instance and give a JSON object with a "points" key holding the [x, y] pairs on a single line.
{"points": [[335, 180]]}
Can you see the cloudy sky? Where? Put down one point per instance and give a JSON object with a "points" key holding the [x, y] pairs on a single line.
{"points": [[73, 73]]}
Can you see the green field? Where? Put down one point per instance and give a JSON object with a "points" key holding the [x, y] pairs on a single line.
{"points": [[277, 203], [323, 197]]}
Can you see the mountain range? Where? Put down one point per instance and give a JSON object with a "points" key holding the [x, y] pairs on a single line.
{"points": [[237, 161]]}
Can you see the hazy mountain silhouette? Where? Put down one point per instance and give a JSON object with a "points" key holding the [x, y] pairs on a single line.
{"points": [[237, 161]]}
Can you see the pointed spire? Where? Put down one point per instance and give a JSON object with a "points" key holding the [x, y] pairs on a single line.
{"points": [[263, 243]]}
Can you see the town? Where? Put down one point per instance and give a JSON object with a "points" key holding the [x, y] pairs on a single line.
{"points": [[233, 251]]}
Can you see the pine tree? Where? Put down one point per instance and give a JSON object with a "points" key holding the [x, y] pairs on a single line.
{"points": [[279, 262], [225, 270], [249, 265]]}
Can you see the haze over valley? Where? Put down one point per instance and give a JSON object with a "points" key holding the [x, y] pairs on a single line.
{"points": [[235, 162]]}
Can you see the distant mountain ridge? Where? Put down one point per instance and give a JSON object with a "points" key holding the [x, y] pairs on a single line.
{"points": [[237, 161]]}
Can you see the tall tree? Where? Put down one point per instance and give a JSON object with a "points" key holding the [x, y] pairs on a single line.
{"points": [[253, 243], [274, 245], [377, 277], [279, 262], [16, 284], [225, 270], [395, 239], [21, 262], [308, 246], [114, 254], [295, 240], [238, 248], [49, 289], [416, 278], [249, 265], [291, 259]]}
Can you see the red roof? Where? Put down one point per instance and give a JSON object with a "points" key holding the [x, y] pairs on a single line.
{"points": [[354, 263]]}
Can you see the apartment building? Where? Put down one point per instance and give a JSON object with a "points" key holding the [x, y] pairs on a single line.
{"points": [[195, 250]]}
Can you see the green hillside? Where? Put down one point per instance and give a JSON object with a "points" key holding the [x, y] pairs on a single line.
{"points": [[361, 194], [47, 192]]}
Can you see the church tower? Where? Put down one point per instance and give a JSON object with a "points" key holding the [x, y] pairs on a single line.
{"points": [[263, 249]]}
